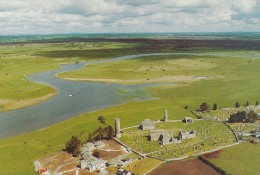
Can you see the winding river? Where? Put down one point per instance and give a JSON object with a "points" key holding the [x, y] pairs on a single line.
{"points": [[73, 98]]}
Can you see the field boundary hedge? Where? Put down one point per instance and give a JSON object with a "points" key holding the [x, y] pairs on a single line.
{"points": [[218, 169]]}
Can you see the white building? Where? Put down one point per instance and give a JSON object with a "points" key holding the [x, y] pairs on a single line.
{"points": [[92, 163], [147, 124], [97, 164]]}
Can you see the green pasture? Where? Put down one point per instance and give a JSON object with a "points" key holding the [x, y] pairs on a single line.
{"points": [[230, 79], [242, 159], [142, 166], [209, 135], [19, 60]]}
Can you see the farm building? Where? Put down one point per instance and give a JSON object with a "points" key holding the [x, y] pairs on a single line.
{"points": [[147, 124], [123, 172], [112, 162], [44, 171], [125, 161], [92, 163]]}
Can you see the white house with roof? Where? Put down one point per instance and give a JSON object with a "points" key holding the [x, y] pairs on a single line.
{"points": [[92, 163], [97, 164]]}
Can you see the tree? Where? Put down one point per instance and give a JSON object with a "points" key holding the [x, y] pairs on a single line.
{"points": [[257, 103], [247, 104], [73, 146], [101, 133], [237, 117], [109, 132], [215, 106], [102, 119], [252, 117], [237, 105], [204, 107], [186, 107]]}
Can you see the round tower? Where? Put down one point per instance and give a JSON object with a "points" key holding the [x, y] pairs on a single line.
{"points": [[165, 115], [117, 128]]}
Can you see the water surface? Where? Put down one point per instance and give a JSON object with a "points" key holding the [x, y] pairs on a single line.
{"points": [[75, 97]]}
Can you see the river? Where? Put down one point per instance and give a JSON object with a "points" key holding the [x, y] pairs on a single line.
{"points": [[73, 98]]}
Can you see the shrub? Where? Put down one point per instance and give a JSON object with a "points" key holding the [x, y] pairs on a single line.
{"points": [[215, 106], [204, 107], [237, 105]]}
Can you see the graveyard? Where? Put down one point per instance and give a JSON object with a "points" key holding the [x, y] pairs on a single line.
{"points": [[210, 135]]}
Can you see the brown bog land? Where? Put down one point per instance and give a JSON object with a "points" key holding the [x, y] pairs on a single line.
{"points": [[186, 167]]}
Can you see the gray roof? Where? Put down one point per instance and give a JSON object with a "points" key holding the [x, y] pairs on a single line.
{"points": [[112, 161], [88, 157], [98, 161], [99, 143], [89, 144], [148, 122], [156, 132]]}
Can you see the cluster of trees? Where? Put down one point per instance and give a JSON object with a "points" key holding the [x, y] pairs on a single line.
{"points": [[73, 146], [242, 116], [205, 107], [237, 105], [101, 133]]}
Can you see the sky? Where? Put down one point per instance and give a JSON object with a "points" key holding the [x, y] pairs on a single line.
{"points": [[128, 16]]}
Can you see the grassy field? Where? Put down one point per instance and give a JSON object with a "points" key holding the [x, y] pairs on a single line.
{"points": [[19, 60], [209, 135], [142, 166], [242, 159], [230, 80]]}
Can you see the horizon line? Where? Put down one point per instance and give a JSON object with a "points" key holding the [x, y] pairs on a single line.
{"points": [[130, 33]]}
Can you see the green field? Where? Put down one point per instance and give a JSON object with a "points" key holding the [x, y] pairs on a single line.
{"points": [[142, 166], [209, 135], [242, 159], [230, 79], [19, 60]]}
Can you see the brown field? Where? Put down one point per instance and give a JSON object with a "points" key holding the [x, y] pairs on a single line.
{"points": [[111, 144], [106, 155], [52, 162], [186, 167]]}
